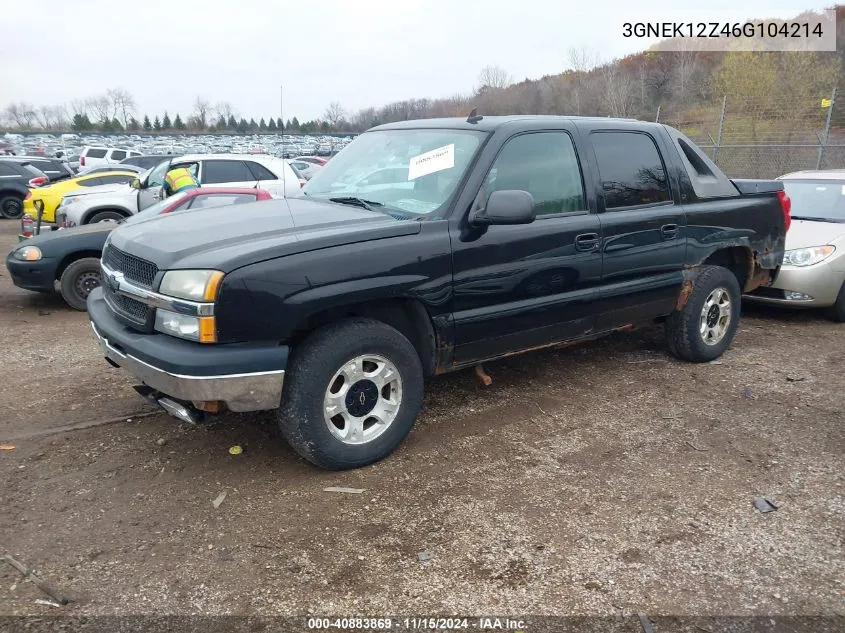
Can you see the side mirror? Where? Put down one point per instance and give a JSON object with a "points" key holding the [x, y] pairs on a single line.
{"points": [[509, 206], [135, 183]]}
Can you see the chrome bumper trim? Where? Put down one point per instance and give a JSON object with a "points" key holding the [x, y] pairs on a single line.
{"points": [[118, 283], [241, 392]]}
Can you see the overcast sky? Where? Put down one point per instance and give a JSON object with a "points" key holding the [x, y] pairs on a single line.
{"points": [[358, 52]]}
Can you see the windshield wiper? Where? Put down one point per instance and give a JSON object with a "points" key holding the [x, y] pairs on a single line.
{"points": [[357, 202], [813, 219]]}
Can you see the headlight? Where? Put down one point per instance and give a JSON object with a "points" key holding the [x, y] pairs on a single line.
{"points": [[28, 254], [194, 285], [807, 256], [200, 329]]}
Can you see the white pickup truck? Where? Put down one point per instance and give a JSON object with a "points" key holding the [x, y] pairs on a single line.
{"points": [[272, 174]]}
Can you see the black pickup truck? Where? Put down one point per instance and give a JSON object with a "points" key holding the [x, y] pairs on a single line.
{"points": [[426, 247]]}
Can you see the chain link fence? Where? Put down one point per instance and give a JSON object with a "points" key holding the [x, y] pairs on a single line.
{"points": [[765, 137]]}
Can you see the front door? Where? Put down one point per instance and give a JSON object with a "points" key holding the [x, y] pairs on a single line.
{"points": [[150, 191], [523, 286], [643, 229]]}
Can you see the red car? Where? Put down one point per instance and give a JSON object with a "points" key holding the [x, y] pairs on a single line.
{"points": [[71, 256]]}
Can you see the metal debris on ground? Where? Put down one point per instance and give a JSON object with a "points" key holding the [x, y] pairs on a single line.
{"points": [[49, 603], [161, 441], [425, 555], [764, 505], [694, 447], [794, 378], [351, 491], [645, 623], [219, 500], [30, 575], [7, 447], [483, 377], [235, 450]]}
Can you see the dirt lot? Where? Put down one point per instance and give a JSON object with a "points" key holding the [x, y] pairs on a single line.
{"points": [[601, 479]]}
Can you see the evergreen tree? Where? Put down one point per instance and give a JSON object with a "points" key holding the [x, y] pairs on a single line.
{"points": [[288, 125], [221, 123], [165, 122], [252, 125], [105, 126], [271, 126], [262, 125], [279, 123], [325, 126], [80, 123], [147, 125], [177, 122], [232, 123], [157, 124], [243, 126], [116, 126], [294, 125], [134, 125]]}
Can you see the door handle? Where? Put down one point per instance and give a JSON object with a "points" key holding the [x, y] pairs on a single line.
{"points": [[669, 230], [586, 241]]}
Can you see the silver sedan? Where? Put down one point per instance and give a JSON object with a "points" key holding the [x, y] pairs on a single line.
{"points": [[813, 271]]}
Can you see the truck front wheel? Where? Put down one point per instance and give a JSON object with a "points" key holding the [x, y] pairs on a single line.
{"points": [[703, 329], [352, 392]]}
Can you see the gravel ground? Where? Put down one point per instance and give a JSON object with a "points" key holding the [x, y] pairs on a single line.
{"points": [[603, 479]]}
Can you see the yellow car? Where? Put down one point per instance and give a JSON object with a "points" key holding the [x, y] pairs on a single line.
{"points": [[52, 195]]}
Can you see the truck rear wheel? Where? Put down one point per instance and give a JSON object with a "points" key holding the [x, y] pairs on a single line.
{"points": [[352, 392], [706, 325]]}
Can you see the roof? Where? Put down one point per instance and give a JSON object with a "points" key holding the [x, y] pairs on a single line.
{"points": [[258, 157], [814, 174], [487, 124]]}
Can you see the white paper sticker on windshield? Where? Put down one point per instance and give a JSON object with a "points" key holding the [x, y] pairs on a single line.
{"points": [[843, 190], [430, 162]]}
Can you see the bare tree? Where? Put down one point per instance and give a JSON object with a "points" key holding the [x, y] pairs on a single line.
{"points": [[44, 117], [493, 78], [685, 66], [101, 107], [14, 112], [201, 111], [122, 103], [334, 113], [618, 89], [582, 60], [224, 109]]}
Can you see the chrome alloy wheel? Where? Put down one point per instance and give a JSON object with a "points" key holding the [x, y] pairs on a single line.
{"points": [[362, 399], [715, 316]]}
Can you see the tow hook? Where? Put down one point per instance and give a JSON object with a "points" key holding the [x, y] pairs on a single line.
{"points": [[182, 410]]}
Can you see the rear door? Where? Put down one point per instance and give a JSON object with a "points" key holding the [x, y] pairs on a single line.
{"points": [[642, 224]]}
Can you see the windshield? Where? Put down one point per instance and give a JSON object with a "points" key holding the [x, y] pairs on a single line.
{"points": [[410, 171], [817, 199], [159, 206]]}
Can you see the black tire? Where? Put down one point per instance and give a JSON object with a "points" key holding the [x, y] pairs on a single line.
{"points": [[683, 333], [11, 206], [311, 368], [78, 280], [102, 216], [836, 312]]}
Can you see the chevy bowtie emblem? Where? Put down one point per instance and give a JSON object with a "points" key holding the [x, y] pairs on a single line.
{"points": [[113, 280], [362, 398]]}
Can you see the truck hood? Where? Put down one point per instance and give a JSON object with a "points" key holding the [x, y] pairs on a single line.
{"points": [[227, 238], [807, 233]]}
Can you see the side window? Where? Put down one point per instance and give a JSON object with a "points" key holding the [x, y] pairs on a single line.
{"points": [[206, 202], [631, 169], [156, 177], [8, 170], [118, 154], [116, 180], [545, 165], [260, 172], [223, 171], [96, 153], [91, 182]]}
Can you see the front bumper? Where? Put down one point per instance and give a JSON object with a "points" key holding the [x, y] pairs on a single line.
{"points": [[247, 377], [819, 282], [39, 276]]}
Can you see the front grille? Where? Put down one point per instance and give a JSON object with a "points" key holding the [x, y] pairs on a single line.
{"points": [[125, 306], [133, 268]]}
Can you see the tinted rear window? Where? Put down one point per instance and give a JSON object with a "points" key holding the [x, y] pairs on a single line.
{"points": [[118, 155], [222, 171], [632, 172], [96, 153], [260, 172]]}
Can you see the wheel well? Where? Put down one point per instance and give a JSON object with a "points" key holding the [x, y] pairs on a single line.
{"points": [[737, 259], [12, 192], [90, 214], [406, 315], [69, 259]]}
